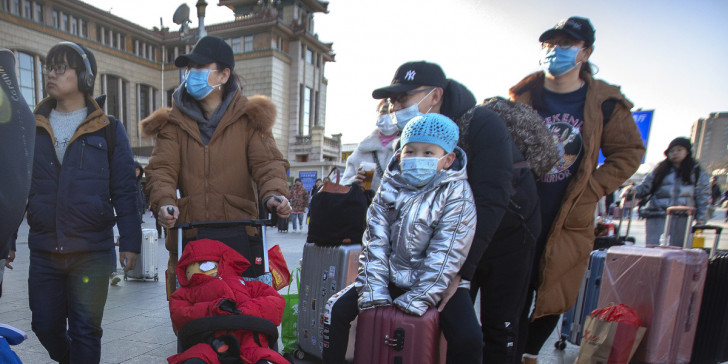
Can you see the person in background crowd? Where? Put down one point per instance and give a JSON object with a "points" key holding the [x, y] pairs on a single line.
{"points": [[377, 147], [216, 147], [141, 199], [584, 115], [314, 190], [78, 182], [299, 203], [715, 197], [676, 181]]}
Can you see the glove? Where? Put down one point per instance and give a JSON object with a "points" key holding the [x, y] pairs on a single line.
{"points": [[227, 306]]}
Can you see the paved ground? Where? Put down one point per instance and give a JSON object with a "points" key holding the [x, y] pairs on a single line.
{"points": [[136, 324]]}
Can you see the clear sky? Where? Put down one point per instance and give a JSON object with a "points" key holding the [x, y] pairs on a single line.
{"points": [[667, 55]]}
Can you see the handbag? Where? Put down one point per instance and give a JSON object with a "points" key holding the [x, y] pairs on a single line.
{"points": [[289, 336], [338, 214]]}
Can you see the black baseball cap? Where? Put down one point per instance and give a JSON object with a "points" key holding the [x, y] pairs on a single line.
{"points": [[575, 27], [207, 50], [410, 76]]}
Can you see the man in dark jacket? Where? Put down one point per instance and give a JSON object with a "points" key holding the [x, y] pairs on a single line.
{"points": [[82, 172], [499, 262]]}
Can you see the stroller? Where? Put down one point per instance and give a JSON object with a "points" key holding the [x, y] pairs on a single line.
{"points": [[254, 249]]}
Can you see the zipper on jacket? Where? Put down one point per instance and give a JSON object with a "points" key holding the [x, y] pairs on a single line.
{"points": [[207, 180], [83, 146]]}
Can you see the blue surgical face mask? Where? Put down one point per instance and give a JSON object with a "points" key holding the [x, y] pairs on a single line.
{"points": [[419, 171], [559, 60], [386, 125], [196, 83], [401, 117]]}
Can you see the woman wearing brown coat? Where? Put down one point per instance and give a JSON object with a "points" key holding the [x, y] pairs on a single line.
{"points": [[573, 105], [215, 146]]}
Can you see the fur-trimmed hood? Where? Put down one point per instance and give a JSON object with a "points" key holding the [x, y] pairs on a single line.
{"points": [[260, 110]]}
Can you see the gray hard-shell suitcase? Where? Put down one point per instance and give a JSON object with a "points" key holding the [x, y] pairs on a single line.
{"points": [[325, 270], [146, 265]]}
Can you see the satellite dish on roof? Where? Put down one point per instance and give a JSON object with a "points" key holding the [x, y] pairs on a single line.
{"points": [[181, 15]]}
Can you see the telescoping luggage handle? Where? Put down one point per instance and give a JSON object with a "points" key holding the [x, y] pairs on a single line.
{"points": [[250, 222], [670, 212], [717, 229], [630, 195]]}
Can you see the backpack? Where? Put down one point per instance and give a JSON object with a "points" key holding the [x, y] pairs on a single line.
{"points": [[109, 130], [527, 130]]}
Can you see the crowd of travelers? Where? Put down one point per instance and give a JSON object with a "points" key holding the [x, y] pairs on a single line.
{"points": [[484, 222]]}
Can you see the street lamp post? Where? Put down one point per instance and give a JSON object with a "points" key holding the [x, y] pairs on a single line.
{"points": [[201, 5]]}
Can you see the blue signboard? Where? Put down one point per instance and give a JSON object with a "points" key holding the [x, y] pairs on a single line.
{"points": [[308, 178], [643, 119]]}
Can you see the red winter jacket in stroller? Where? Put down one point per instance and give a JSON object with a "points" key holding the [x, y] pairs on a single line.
{"points": [[200, 295]]}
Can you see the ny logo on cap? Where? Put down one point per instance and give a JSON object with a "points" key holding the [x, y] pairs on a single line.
{"points": [[410, 75], [573, 24]]}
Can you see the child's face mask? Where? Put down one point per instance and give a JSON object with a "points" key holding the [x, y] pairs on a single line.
{"points": [[419, 171], [207, 267]]}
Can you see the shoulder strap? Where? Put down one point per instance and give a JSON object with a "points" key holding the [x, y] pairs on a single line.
{"points": [[380, 172], [110, 135], [607, 109]]}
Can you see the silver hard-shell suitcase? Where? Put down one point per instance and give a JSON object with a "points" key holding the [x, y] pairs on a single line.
{"points": [[146, 264], [325, 270]]}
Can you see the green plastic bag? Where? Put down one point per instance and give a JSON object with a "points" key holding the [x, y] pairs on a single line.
{"points": [[289, 337]]}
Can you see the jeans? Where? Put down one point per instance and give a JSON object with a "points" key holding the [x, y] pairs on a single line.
{"points": [[458, 323], [67, 294], [297, 220]]}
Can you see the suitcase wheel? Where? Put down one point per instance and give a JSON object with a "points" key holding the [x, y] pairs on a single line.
{"points": [[560, 345], [300, 355]]}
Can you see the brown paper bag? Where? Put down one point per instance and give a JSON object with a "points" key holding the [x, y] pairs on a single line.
{"points": [[608, 342]]}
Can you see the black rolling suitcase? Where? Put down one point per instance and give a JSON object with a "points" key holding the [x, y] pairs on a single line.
{"points": [[283, 224], [711, 335]]}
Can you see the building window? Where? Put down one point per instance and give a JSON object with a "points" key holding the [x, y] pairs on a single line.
{"points": [[54, 15], [26, 77], [64, 22], [38, 15], [309, 56], [303, 51], [316, 110], [84, 28], [236, 44], [248, 44], [74, 26], [170, 96], [146, 100], [27, 9], [305, 122], [115, 101], [16, 7]]}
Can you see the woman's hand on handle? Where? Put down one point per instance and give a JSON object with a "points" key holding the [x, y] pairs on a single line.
{"points": [[279, 205], [168, 216]]}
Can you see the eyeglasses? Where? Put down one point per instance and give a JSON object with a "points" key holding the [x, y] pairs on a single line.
{"points": [[59, 69], [563, 43], [401, 97]]}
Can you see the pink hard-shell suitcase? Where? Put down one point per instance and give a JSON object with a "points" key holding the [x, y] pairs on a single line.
{"points": [[664, 285], [389, 335]]}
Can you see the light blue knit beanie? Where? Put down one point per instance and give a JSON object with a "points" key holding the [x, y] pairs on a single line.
{"points": [[432, 128]]}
